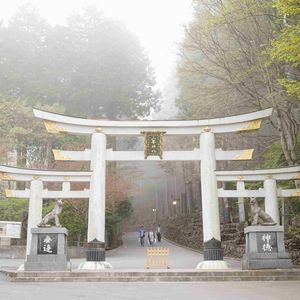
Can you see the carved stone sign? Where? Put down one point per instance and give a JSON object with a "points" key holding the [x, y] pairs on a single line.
{"points": [[153, 143], [266, 242], [47, 244]]}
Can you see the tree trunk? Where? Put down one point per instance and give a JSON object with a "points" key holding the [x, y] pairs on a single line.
{"points": [[288, 130]]}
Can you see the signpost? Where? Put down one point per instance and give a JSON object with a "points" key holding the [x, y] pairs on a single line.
{"points": [[11, 230]]}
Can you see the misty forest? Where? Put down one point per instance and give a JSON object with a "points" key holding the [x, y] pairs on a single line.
{"points": [[236, 57]]}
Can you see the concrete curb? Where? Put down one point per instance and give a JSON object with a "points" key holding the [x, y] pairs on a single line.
{"points": [[154, 276]]}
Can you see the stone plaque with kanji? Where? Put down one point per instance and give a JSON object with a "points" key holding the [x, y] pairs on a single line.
{"points": [[153, 143], [266, 242], [47, 244]]}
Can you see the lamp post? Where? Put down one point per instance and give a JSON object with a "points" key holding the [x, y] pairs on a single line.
{"points": [[174, 205], [154, 213]]}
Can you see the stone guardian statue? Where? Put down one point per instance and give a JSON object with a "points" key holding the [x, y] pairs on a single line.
{"points": [[259, 216], [53, 214]]}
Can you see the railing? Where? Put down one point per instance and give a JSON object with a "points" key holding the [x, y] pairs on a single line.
{"points": [[158, 257]]}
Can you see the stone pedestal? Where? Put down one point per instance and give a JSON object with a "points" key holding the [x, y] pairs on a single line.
{"points": [[212, 250], [95, 257], [48, 251], [265, 248], [95, 251]]}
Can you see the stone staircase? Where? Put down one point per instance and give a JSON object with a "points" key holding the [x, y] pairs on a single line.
{"points": [[154, 276]]}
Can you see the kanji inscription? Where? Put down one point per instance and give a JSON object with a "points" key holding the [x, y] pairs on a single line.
{"points": [[266, 242], [47, 244], [153, 143]]}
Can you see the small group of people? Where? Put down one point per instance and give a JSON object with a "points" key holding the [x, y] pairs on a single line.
{"points": [[152, 237]]}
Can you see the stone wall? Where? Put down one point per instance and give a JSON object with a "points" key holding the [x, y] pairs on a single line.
{"points": [[12, 251], [233, 239], [185, 230], [292, 239], [292, 243], [19, 252]]}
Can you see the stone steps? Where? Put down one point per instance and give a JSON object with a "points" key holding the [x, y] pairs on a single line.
{"points": [[148, 279], [154, 276]]}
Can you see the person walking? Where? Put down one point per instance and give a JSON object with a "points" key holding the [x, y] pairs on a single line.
{"points": [[158, 233], [142, 235], [151, 237]]}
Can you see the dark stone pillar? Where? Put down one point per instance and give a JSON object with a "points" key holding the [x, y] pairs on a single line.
{"points": [[213, 250], [95, 251]]}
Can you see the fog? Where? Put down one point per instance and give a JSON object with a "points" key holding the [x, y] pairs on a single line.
{"points": [[109, 59], [158, 30], [142, 60]]}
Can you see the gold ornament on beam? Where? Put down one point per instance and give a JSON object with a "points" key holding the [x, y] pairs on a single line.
{"points": [[297, 176], [6, 176], [9, 193], [53, 127], [296, 193], [153, 143], [252, 125], [58, 155]]}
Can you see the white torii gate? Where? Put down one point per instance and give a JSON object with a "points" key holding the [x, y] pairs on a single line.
{"points": [[207, 154], [37, 193], [270, 191]]}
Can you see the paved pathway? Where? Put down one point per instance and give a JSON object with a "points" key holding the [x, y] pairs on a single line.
{"points": [[132, 256]]}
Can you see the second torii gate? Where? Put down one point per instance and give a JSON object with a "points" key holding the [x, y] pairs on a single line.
{"points": [[37, 192], [269, 191], [207, 154]]}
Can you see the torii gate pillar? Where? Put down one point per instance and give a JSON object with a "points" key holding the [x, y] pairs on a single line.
{"points": [[96, 222], [213, 252], [240, 186], [271, 200], [34, 210]]}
